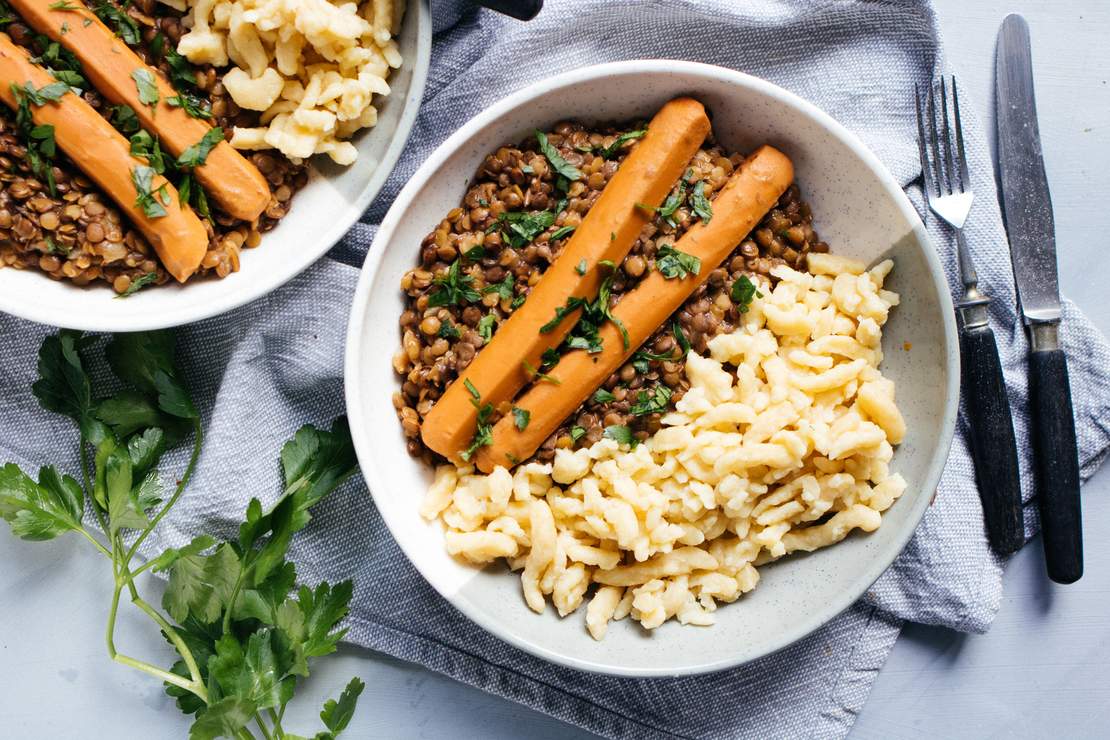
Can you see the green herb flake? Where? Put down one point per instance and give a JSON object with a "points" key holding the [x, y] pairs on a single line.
{"points": [[701, 206], [150, 200], [139, 283], [676, 264], [123, 118], [577, 433], [196, 154], [483, 434], [562, 167], [504, 289], [124, 25], [581, 267], [193, 106], [611, 150], [601, 395], [447, 330], [485, 326], [146, 86], [62, 5], [520, 227], [472, 390], [474, 254], [454, 289], [147, 147], [562, 232], [651, 402], [621, 435], [521, 417], [743, 293], [537, 374]]}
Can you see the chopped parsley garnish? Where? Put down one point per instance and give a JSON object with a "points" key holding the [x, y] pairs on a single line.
{"points": [[150, 200], [674, 263], [573, 304], [671, 204], [447, 330], [537, 374], [609, 151], [641, 361], [550, 357], [124, 119], [65, 28], [70, 78], [743, 293], [503, 289], [189, 191], [145, 85], [483, 435], [125, 26], [196, 154], [139, 283], [146, 146], [454, 289], [680, 337], [561, 232], [621, 434], [580, 268], [59, 61], [651, 402], [701, 206], [586, 333], [562, 167], [521, 417], [474, 254], [521, 227], [577, 433], [53, 247], [62, 5], [518, 301], [603, 396], [485, 326], [38, 138], [193, 106]]}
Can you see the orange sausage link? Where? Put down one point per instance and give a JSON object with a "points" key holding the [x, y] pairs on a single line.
{"points": [[751, 191], [228, 177], [104, 156], [608, 231]]}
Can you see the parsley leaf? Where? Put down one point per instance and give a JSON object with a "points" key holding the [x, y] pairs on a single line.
{"points": [[196, 154], [483, 434], [193, 106], [146, 146], [124, 119], [580, 268], [182, 74], [503, 289], [674, 263], [336, 715], [561, 232], [454, 289], [562, 167], [671, 204], [577, 433], [538, 375], [573, 304], [621, 434], [447, 330], [521, 227], [125, 26], [40, 511], [145, 360], [743, 293], [485, 326], [146, 86], [701, 206], [521, 417], [612, 149], [152, 202], [601, 395], [137, 284], [651, 402]]}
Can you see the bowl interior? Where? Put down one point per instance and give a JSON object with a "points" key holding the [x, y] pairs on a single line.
{"points": [[322, 212], [858, 209]]}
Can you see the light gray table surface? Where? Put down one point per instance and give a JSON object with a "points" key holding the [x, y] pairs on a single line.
{"points": [[1042, 671]]}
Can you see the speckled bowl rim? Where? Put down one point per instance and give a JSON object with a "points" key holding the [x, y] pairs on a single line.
{"points": [[188, 311], [361, 428]]}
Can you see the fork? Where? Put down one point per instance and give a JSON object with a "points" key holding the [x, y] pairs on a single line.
{"points": [[948, 194]]}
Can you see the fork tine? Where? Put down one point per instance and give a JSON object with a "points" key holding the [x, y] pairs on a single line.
{"points": [[935, 139], [950, 166], [921, 150], [965, 179]]}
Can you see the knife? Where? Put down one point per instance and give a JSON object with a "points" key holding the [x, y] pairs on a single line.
{"points": [[1027, 209]]}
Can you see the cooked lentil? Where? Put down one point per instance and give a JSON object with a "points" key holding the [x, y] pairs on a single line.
{"points": [[79, 235], [516, 178]]}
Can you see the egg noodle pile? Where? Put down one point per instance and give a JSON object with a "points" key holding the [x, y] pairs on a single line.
{"points": [[780, 445]]}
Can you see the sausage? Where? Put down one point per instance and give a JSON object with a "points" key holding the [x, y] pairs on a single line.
{"points": [[104, 156], [608, 231], [751, 191], [108, 63]]}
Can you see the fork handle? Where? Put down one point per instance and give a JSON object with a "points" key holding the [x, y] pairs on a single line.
{"points": [[993, 447]]}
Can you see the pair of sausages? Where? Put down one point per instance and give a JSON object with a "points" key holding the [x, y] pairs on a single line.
{"points": [[497, 372], [179, 238]]}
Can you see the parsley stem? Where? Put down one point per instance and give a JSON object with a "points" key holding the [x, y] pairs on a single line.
{"points": [[96, 543], [89, 489], [265, 733], [275, 720], [198, 439]]}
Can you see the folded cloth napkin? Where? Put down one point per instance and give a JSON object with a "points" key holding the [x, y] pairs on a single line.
{"points": [[263, 370]]}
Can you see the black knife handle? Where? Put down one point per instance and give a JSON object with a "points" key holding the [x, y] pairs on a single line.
{"points": [[1057, 465], [993, 447]]}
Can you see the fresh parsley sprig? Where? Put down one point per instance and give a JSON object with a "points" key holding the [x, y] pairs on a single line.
{"points": [[243, 633], [676, 264]]}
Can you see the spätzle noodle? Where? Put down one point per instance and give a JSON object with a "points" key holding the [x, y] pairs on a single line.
{"points": [[780, 445], [311, 66]]}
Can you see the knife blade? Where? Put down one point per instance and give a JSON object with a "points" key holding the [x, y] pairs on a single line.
{"points": [[1027, 209]]}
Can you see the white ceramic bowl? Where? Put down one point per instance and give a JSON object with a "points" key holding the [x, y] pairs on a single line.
{"points": [[322, 212], [858, 208]]}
